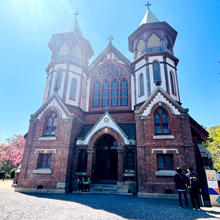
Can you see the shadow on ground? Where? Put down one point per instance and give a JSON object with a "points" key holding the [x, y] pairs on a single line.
{"points": [[130, 207]]}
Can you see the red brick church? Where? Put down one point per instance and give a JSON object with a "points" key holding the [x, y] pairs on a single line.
{"points": [[119, 122]]}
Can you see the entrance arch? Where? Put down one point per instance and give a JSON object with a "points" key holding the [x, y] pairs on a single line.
{"points": [[106, 160]]}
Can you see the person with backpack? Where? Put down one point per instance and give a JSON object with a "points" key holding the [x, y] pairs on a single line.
{"points": [[194, 187], [181, 186]]}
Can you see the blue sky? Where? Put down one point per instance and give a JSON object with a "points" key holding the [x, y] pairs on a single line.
{"points": [[26, 27]]}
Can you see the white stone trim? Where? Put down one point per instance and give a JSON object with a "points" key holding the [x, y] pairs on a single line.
{"points": [[165, 173], [105, 122], [42, 171], [47, 138], [46, 150], [31, 190], [159, 98], [53, 104], [164, 150], [161, 137], [61, 185]]}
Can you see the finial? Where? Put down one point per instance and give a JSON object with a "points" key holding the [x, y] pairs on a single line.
{"points": [[76, 13], [110, 39], [148, 5]]}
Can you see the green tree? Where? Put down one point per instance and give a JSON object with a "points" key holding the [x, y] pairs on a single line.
{"points": [[213, 145]]}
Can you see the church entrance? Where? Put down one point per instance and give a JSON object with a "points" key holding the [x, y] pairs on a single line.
{"points": [[106, 164]]}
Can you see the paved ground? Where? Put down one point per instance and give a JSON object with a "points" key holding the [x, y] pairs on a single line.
{"points": [[83, 206]]}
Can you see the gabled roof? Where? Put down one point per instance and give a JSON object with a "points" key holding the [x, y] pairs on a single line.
{"points": [[149, 17], [54, 102], [104, 53], [105, 121], [159, 95]]}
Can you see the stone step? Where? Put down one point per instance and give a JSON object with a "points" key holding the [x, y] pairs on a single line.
{"points": [[104, 186]]}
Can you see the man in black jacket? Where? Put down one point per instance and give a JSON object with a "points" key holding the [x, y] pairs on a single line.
{"points": [[194, 187], [180, 184]]}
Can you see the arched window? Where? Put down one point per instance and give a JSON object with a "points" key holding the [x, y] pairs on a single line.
{"points": [[130, 160], [72, 95], [96, 94], [161, 122], [140, 48], [114, 92], [124, 92], [173, 87], [50, 125], [141, 84], [156, 70], [105, 94], [59, 80]]}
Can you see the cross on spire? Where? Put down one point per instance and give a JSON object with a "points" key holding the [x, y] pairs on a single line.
{"points": [[110, 39], [148, 5], [76, 13]]}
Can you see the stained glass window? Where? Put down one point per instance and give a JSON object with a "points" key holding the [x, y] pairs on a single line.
{"points": [[124, 92], [51, 124], [161, 122], [96, 94]]}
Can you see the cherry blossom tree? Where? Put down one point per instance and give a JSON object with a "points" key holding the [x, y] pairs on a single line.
{"points": [[11, 153]]}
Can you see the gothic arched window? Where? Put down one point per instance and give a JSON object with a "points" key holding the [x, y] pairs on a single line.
{"points": [[124, 92], [59, 80], [156, 71], [105, 94], [114, 93], [50, 124], [72, 95], [161, 121], [141, 84], [173, 87], [130, 160], [96, 94]]}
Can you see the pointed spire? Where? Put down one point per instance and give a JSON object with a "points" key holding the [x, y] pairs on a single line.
{"points": [[74, 27], [149, 17]]}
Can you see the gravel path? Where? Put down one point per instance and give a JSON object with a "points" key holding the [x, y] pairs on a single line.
{"points": [[21, 206]]}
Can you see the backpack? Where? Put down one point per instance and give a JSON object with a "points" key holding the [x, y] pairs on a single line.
{"points": [[193, 181]]}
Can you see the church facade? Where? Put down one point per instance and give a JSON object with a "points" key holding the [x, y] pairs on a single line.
{"points": [[119, 122]]}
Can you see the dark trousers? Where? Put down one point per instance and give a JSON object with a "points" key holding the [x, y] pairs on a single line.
{"points": [[194, 195], [180, 198], [80, 186]]}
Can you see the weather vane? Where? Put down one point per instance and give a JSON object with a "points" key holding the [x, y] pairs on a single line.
{"points": [[148, 5]]}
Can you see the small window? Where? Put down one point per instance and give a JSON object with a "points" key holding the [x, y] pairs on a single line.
{"points": [[141, 84], [114, 92], [59, 80], [73, 90], [105, 94], [96, 94], [44, 160], [161, 122], [173, 87], [165, 162], [130, 160], [50, 125], [156, 70], [124, 92]]}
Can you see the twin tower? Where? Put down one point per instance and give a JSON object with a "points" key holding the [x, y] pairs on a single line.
{"points": [[74, 80]]}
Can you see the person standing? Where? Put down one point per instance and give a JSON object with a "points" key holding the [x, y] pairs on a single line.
{"points": [[194, 187], [181, 186]]}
